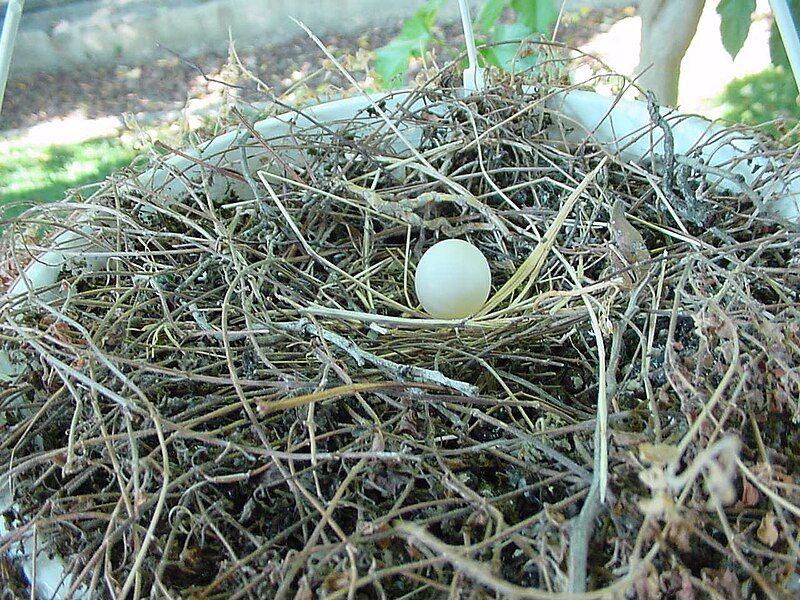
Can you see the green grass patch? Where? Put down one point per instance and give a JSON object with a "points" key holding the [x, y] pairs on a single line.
{"points": [[32, 175], [763, 99]]}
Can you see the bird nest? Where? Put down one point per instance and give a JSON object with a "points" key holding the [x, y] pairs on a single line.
{"points": [[243, 398]]}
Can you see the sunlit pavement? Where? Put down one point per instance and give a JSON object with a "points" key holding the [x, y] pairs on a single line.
{"points": [[707, 67]]}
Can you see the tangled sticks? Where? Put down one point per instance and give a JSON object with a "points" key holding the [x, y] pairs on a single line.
{"points": [[237, 395]]}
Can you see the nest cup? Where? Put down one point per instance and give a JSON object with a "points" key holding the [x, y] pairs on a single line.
{"points": [[217, 378]]}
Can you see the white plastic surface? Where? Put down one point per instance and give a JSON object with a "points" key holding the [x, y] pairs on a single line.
{"points": [[624, 127], [474, 79]]}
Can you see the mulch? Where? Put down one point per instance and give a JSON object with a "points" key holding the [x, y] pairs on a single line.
{"points": [[168, 82]]}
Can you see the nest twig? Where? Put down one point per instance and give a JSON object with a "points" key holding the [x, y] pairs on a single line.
{"points": [[247, 401]]}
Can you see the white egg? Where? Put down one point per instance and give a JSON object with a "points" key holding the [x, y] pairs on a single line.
{"points": [[452, 280]]}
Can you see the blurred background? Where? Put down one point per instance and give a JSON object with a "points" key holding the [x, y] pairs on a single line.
{"points": [[94, 82]]}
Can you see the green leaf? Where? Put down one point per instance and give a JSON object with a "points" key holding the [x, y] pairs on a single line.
{"points": [[490, 13], [537, 15], [736, 16], [429, 11], [415, 29], [491, 56], [507, 56], [392, 60]]}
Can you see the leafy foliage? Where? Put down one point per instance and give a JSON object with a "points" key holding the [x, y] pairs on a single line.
{"points": [[760, 98], [490, 13], [532, 17], [507, 56], [392, 59], [736, 16], [536, 15]]}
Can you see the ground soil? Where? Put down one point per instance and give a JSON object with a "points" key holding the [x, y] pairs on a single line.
{"points": [[166, 84]]}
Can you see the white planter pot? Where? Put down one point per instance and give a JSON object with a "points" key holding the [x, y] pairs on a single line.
{"points": [[622, 126]]}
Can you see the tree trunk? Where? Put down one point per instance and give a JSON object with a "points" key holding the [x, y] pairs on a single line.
{"points": [[668, 27]]}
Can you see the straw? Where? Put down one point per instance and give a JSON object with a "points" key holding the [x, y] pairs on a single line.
{"points": [[235, 394]]}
